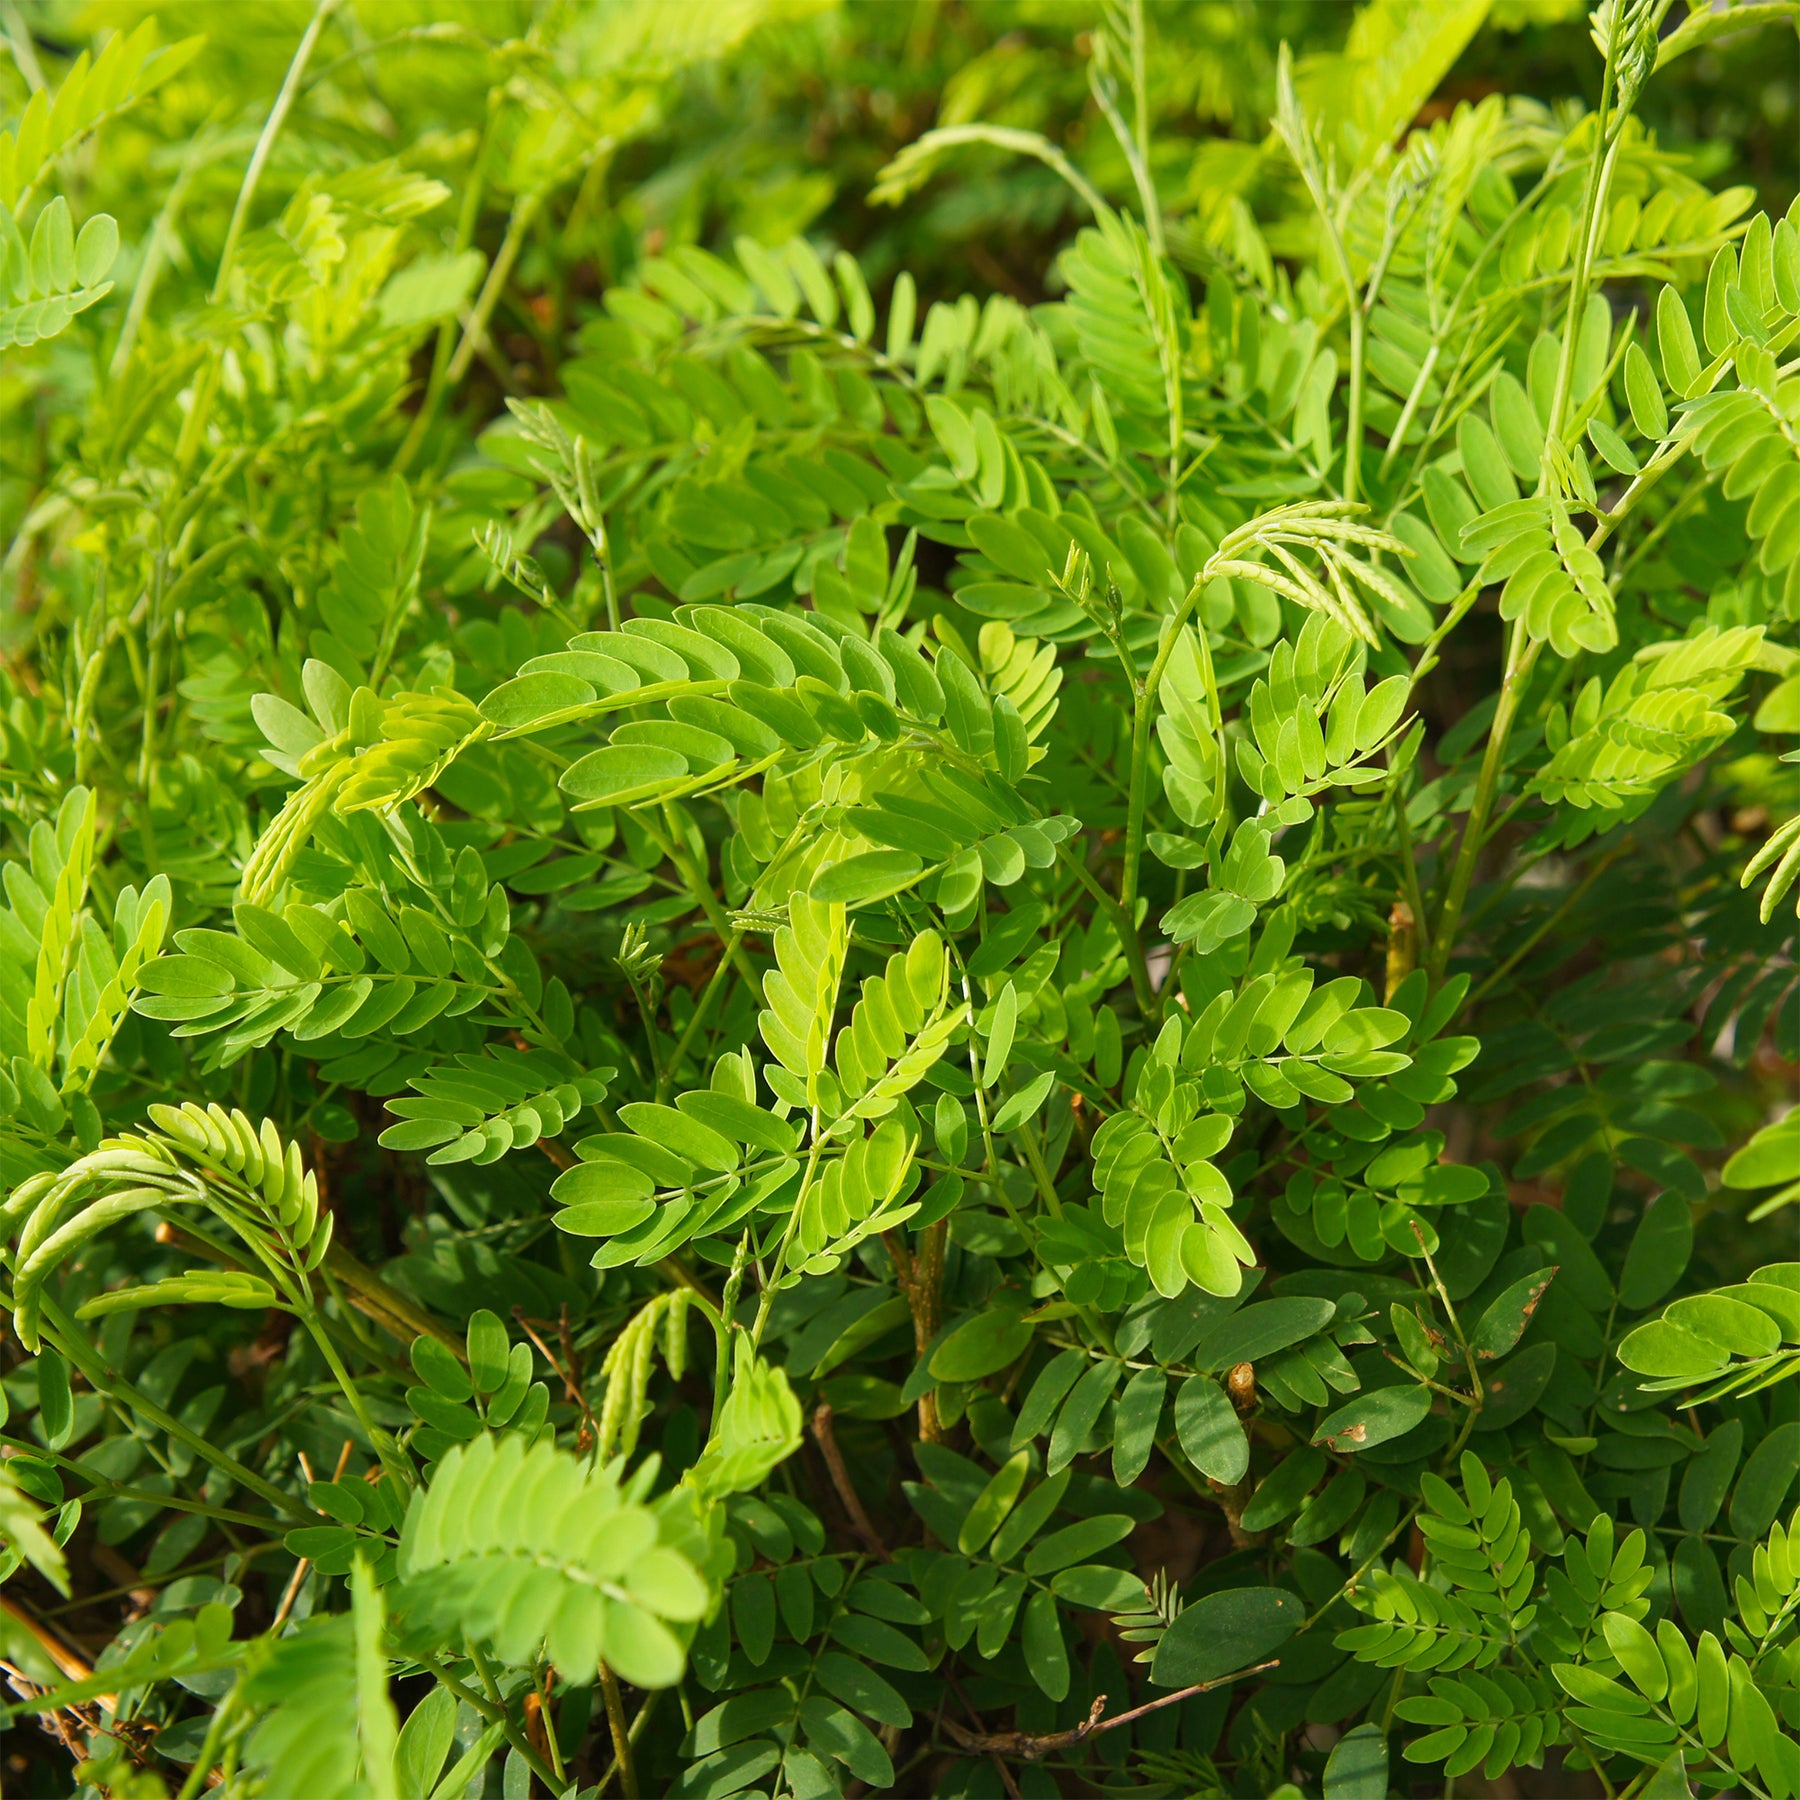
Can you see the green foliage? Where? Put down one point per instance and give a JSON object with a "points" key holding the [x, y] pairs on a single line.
{"points": [[638, 831], [22, 1528], [1683, 1694], [522, 1548], [1740, 1329], [55, 276]]}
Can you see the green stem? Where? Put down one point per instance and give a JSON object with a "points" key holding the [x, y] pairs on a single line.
{"points": [[209, 1749], [787, 1233], [707, 995], [722, 1323], [1404, 424], [1596, 1761], [24, 52], [270, 132], [1140, 95], [475, 332], [1409, 874], [162, 237], [1134, 140], [697, 884], [1425, 1381], [467, 217], [153, 632], [1293, 127], [621, 1736], [1393, 1700], [1647, 477], [631, 1737], [496, 1714], [66, 1337], [379, 1440], [1353, 427], [1437, 1281], [647, 1012], [1022, 143], [1143, 721], [1222, 797], [387, 1300], [1122, 926], [1428, 651], [1040, 1173], [551, 1746], [114, 1490], [1362, 1568], [1599, 179], [1358, 317], [1549, 923], [242, 1554], [1521, 655], [990, 1153]]}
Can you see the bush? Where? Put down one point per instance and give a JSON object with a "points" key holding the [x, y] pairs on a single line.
{"points": [[758, 1041]]}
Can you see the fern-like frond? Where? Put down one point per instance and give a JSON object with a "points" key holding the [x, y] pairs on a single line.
{"points": [[477, 1108], [327, 1725], [1736, 1339], [801, 991], [529, 1551], [384, 752], [43, 285], [758, 1427], [93, 91], [203, 1156], [901, 1025], [1418, 1627]]}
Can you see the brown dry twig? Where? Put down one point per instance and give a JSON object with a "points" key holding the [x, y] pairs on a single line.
{"points": [[860, 1522], [1034, 1747], [571, 1386], [69, 1662]]}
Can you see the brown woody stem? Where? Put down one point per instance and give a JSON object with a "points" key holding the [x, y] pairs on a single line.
{"points": [[1033, 1748], [860, 1522]]}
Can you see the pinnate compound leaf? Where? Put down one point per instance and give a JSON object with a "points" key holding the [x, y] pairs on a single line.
{"points": [[526, 1567]]}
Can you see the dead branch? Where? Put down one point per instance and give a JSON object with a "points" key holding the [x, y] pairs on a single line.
{"points": [[1034, 1747], [860, 1521]]}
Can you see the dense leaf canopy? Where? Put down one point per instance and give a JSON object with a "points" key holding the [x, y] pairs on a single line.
{"points": [[899, 899]]}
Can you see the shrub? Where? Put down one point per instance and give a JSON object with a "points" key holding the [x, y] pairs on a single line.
{"points": [[759, 1042]]}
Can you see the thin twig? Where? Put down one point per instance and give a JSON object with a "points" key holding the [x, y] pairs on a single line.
{"points": [[1030, 1747], [860, 1522], [67, 1660], [615, 1719], [270, 132], [570, 1386], [632, 1736], [288, 1598]]}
